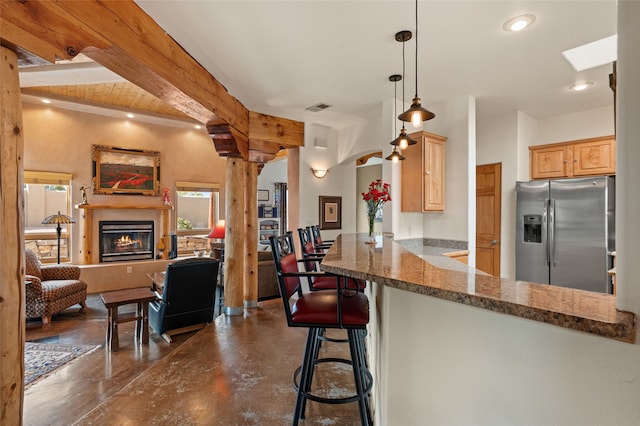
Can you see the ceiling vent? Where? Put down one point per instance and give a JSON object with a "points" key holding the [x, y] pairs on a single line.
{"points": [[320, 143], [318, 107]]}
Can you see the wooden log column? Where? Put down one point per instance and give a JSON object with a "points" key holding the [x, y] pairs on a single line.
{"points": [[12, 288], [251, 239], [234, 256]]}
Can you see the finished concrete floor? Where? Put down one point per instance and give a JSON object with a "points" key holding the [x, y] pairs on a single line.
{"points": [[235, 371]]}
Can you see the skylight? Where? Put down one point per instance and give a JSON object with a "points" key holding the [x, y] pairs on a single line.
{"points": [[591, 55]]}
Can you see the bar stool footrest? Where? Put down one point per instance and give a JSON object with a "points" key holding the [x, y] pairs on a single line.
{"points": [[343, 400]]}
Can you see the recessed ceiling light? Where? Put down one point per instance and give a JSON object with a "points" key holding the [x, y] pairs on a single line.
{"points": [[198, 127], [583, 85], [130, 115], [46, 101], [518, 23]]}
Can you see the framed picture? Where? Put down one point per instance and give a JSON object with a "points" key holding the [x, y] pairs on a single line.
{"points": [[263, 195], [330, 212], [125, 171]]}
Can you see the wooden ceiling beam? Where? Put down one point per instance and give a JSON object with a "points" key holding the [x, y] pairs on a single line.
{"points": [[123, 38]]}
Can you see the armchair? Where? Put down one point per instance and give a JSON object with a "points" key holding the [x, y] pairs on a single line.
{"points": [[51, 288], [188, 297]]}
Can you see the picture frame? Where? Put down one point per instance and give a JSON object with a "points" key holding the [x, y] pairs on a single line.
{"points": [[263, 195], [330, 212], [125, 171]]}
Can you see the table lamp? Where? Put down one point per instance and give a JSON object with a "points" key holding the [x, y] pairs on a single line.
{"points": [[58, 219], [218, 233]]}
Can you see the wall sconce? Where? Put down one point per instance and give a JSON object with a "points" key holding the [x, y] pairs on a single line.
{"points": [[319, 173]]}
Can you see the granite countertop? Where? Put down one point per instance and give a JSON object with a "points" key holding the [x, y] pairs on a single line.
{"points": [[426, 271]]}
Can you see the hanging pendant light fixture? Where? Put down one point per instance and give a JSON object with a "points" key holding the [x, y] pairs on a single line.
{"points": [[403, 140], [395, 155], [416, 114]]}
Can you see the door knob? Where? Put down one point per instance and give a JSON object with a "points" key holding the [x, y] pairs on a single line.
{"points": [[494, 242]]}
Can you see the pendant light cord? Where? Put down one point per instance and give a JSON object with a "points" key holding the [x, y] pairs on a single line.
{"points": [[416, 48], [403, 74], [395, 105]]}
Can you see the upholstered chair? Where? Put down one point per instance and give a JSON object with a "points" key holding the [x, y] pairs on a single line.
{"points": [[188, 297], [51, 288]]}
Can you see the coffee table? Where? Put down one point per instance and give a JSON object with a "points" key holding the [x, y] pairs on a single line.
{"points": [[112, 299]]}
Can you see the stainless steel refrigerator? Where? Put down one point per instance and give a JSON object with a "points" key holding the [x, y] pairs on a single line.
{"points": [[566, 232]]}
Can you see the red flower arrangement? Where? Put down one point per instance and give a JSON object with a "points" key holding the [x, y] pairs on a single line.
{"points": [[377, 195]]}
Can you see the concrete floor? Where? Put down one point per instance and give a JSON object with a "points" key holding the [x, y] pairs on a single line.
{"points": [[235, 371]]}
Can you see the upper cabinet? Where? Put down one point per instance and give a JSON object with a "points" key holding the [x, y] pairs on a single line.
{"points": [[422, 188], [586, 157]]}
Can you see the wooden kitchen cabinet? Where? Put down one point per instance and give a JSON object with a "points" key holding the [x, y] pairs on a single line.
{"points": [[586, 157], [423, 174], [595, 157]]}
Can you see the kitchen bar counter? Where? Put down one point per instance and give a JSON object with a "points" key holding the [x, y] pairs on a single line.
{"points": [[389, 264]]}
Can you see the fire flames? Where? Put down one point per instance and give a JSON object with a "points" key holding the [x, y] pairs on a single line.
{"points": [[125, 242]]}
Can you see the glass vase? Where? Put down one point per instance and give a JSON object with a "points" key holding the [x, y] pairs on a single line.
{"points": [[372, 236]]}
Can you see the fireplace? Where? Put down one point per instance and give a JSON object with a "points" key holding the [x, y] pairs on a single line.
{"points": [[124, 240]]}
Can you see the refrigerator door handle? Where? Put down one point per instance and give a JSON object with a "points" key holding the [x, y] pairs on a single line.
{"points": [[552, 232], [545, 236]]}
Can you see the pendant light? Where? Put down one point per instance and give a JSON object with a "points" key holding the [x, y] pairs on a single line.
{"points": [[416, 114], [402, 141], [395, 155]]}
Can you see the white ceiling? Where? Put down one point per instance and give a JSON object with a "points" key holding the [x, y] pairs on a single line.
{"points": [[280, 57]]}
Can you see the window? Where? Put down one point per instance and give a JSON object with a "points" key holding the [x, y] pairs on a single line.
{"points": [[197, 211], [46, 193]]}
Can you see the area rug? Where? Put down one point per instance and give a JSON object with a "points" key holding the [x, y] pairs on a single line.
{"points": [[41, 359]]}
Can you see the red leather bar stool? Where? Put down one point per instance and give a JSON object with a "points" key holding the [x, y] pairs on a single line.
{"points": [[313, 257], [318, 242], [317, 311]]}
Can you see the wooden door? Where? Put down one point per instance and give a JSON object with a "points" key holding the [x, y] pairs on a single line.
{"points": [[488, 209]]}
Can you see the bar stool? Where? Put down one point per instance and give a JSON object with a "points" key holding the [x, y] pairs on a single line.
{"points": [[312, 257], [318, 242], [317, 311]]}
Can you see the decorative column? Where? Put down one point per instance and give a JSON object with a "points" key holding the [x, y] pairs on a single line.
{"points": [[251, 240], [234, 256], [12, 287]]}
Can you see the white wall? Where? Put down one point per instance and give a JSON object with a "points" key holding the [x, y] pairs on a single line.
{"points": [[275, 171], [339, 182], [497, 142], [364, 176], [461, 365], [628, 154], [527, 136], [580, 125], [453, 123]]}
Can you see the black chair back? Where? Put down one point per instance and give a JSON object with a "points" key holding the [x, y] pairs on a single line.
{"points": [[284, 257], [188, 295], [315, 232], [308, 249]]}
